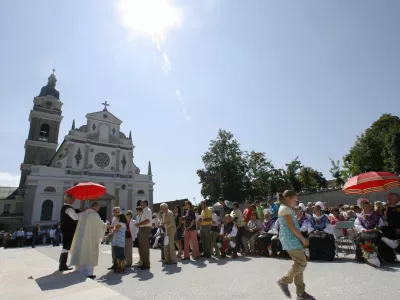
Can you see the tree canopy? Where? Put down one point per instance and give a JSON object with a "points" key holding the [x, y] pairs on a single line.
{"points": [[236, 174], [377, 149]]}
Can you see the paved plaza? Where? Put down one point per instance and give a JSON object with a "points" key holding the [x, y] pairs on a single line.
{"points": [[31, 274]]}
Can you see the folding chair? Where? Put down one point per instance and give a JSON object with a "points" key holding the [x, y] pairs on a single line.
{"points": [[341, 238]]}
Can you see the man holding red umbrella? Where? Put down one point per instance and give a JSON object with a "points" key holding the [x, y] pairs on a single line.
{"points": [[68, 221]]}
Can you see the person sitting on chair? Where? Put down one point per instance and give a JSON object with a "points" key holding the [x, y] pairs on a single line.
{"points": [[264, 239], [228, 237], [392, 230], [367, 225]]}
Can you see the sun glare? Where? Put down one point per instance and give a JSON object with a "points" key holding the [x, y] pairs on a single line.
{"points": [[153, 17]]}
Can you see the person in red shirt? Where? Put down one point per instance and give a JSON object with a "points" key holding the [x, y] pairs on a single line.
{"points": [[247, 211]]}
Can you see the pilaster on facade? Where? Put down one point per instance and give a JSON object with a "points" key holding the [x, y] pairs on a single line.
{"points": [[70, 154]]}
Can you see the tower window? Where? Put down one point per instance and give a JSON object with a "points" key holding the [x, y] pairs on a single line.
{"points": [[140, 192], [44, 132]]}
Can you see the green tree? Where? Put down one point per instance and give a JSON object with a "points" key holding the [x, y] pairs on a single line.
{"points": [[311, 180], [225, 169], [337, 173], [377, 149], [292, 174], [391, 150], [260, 173]]}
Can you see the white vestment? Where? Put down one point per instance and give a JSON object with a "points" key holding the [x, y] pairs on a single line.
{"points": [[86, 243]]}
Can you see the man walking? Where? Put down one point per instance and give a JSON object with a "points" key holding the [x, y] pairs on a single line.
{"points": [[144, 234], [69, 220], [168, 222], [205, 222]]}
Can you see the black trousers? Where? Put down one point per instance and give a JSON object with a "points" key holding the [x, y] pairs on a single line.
{"points": [[240, 232], [34, 238]]}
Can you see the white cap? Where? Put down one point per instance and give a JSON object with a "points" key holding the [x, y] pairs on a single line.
{"points": [[320, 204], [266, 211], [303, 207]]}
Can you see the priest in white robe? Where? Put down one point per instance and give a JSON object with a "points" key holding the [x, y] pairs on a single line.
{"points": [[86, 243]]}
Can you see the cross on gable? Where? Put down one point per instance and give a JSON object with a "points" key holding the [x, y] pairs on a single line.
{"points": [[105, 105]]}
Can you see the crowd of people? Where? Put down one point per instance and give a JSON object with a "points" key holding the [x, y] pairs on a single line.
{"points": [[280, 227], [38, 236]]}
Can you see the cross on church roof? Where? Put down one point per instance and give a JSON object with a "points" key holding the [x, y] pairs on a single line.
{"points": [[105, 105]]}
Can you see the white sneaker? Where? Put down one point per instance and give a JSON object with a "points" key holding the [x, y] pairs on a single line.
{"points": [[392, 244]]}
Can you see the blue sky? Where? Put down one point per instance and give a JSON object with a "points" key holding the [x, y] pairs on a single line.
{"points": [[290, 78]]}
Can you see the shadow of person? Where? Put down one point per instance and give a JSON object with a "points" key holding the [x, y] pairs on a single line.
{"points": [[110, 278], [199, 263], [171, 269], [58, 280], [143, 275], [241, 258]]}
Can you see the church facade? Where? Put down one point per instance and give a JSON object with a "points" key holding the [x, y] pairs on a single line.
{"points": [[97, 151]]}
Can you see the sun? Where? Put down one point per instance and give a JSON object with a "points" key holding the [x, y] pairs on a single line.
{"points": [[153, 17]]}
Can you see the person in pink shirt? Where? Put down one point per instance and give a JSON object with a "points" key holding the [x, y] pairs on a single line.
{"points": [[247, 211]]}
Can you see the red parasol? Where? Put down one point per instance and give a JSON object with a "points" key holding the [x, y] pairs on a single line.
{"points": [[371, 182], [87, 191]]}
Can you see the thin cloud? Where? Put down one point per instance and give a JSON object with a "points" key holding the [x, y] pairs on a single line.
{"points": [[180, 99], [167, 64], [9, 180]]}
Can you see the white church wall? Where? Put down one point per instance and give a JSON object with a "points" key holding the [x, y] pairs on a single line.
{"points": [[110, 153], [123, 200], [78, 157], [128, 160], [41, 196]]}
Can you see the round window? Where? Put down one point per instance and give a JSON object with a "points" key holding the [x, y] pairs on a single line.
{"points": [[102, 160]]}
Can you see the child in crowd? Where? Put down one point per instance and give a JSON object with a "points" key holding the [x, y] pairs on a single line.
{"points": [[292, 241], [118, 242]]}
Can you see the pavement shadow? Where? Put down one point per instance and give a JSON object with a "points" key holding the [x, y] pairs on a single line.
{"points": [[390, 267], [112, 278], [58, 280], [143, 275], [171, 269]]}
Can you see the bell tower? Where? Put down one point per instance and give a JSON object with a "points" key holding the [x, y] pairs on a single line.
{"points": [[45, 118]]}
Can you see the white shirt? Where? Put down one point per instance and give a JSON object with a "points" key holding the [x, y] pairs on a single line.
{"points": [[358, 225], [71, 212], [215, 220], [146, 215], [52, 233], [232, 234], [20, 233], [133, 229]]}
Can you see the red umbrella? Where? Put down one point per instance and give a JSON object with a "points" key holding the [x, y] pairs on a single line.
{"points": [[87, 191], [371, 182]]}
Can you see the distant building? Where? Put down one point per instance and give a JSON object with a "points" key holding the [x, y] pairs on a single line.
{"points": [[97, 151]]}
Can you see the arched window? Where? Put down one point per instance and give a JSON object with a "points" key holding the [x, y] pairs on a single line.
{"points": [[140, 192], [44, 132], [47, 211], [50, 189]]}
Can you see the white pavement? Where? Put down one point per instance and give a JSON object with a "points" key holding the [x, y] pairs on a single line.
{"points": [[30, 275], [243, 278]]}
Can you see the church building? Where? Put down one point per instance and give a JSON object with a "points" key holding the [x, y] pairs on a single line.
{"points": [[97, 151]]}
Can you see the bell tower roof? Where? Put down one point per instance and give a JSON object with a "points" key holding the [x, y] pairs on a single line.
{"points": [[50, 88]]}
